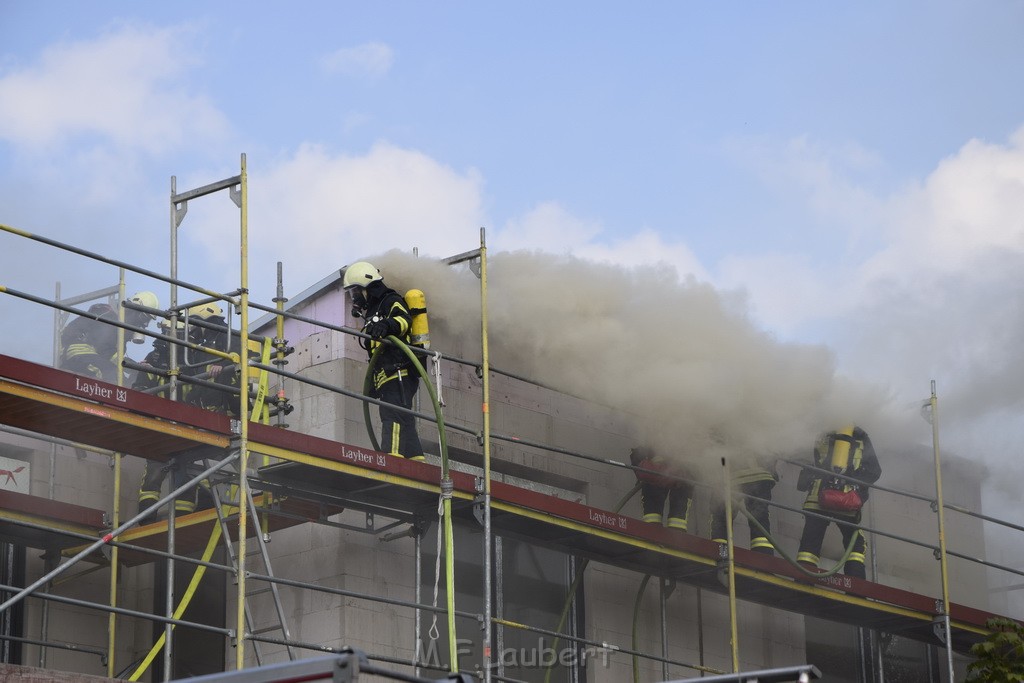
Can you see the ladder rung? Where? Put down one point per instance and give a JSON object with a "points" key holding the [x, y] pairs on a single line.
{"points": [[267, 629]]}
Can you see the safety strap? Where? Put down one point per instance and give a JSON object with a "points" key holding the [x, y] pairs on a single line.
{"points": [[436, 360], [258, 412], [433, 632]]}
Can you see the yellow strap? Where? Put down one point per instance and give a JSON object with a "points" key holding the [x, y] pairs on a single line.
{"points": [[261, 388]]}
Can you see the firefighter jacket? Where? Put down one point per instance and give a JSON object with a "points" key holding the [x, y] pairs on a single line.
{"points": [[384, 303], [858, 461], [754, 469], [91, 335]]}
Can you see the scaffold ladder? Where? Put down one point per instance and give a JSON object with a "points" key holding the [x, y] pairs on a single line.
{"points": [[261, 541]]}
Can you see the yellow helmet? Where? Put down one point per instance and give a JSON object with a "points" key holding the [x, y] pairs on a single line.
{"points": [[206, 311], [360, 274], [147, 299]]}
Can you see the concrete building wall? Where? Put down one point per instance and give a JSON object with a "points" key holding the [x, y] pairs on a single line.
{"points": [[85, 478]]}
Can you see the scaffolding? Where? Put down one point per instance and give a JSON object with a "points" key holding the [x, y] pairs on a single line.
{"points": [[304, 479]]}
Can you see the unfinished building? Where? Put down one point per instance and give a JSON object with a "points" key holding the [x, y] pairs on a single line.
{"points": [[516, 552]]}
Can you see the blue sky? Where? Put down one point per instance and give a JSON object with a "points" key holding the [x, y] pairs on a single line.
{"points": [[855, 169]]}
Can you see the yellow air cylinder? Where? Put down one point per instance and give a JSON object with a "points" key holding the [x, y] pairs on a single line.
{"points": [[419, 333], [841, 450]]}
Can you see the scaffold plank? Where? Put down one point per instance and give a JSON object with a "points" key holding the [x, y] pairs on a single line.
{"points": [[192, 531], [58, 518], [48, 401]]}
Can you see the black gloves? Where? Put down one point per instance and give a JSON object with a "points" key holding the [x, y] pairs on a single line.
{"points": [[378, 329]]}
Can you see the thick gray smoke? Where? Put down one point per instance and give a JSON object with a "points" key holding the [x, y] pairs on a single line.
{"points": [[698, 378]]}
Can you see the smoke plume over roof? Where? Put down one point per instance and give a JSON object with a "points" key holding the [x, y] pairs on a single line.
{"points": [[696, 375]]}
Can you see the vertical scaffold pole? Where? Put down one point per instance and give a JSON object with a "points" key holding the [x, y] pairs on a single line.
{"points": [[243, 415], [178, 210], [417, 598], [116, 508], [279, 343], [44, 626], [177, 214], [662, 600], [731, 567], [172, 527], [934, 405], [486, 369]]}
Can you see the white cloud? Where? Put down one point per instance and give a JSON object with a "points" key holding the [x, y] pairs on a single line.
{"points": [[546, 227], [829, 181], [786, 290], [861, 246], [970, 207], [369, 60], [549, 227], [126, 88], [644, 248]]}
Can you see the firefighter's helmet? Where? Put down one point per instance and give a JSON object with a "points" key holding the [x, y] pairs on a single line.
{"points": [[360, 274], [147, 299], [206, 311]]}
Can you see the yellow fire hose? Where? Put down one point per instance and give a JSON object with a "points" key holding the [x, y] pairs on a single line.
{"points": [[446, 484], [786, 556], [636, 618], [197, 576]]}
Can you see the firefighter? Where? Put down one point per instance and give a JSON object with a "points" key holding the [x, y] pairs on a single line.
{"points": [[849, 452], [395, 381], [754, 481], [661, 481], [89, 343], [219, 370]]}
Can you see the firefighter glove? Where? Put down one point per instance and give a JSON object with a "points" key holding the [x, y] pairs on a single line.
{"points": [[378, 329]]}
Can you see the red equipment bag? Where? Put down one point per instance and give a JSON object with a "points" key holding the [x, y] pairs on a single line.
{"points": [[840, 501]]}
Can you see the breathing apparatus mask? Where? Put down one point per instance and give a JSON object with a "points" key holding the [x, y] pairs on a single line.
{"points": [[358, 295], [139, 318]]}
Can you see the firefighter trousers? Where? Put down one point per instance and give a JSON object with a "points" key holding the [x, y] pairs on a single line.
{"points": [[814, 534], [653, 497], [398, 429], [152, 481], [756, 495]]}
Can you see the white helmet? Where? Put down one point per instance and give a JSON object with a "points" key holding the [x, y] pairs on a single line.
{"points": [[147, 299], [360, 274]]}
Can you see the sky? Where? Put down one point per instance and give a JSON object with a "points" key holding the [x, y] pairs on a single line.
{"points": [[852, 174]]}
